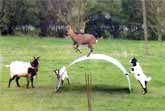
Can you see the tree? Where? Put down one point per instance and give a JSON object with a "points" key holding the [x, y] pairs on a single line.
{"points": [[26, 14], [156, 16], [42, 14], [145, 26], [153, 19], [8, 17], [105, 18], [73, 12], [16, 13]]}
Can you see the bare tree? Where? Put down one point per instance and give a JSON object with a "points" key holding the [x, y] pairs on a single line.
{"points": [[155, 15], [71, 12], [160, 16]]}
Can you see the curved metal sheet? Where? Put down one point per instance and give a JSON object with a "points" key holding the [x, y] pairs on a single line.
{"points": [[105, 58]]}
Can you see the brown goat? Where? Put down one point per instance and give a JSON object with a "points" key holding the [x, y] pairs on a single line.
{"points": [[82, 39]]}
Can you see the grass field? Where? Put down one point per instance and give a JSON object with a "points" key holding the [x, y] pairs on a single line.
{"points": [[108, 84]]}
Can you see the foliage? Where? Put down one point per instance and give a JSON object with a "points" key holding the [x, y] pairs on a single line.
{"points": [[51, 17], [107, 35], [16, 13], [8, 16], [155, 16], [71, 12]]}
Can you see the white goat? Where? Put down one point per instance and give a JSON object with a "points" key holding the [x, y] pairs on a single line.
{"points": [[61, 75], [19, 68], [23, 69], [139, 74]]}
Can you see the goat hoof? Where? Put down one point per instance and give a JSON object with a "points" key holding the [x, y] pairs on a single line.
{"points": [[56, 91], [144, 93]]}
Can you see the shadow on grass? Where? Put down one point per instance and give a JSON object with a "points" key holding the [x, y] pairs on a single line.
{"points": [[80, 88], [97, 88]]}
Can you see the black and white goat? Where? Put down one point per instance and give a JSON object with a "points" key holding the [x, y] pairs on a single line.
{"points": [[61, 76], [139, 75], [23, 69]]}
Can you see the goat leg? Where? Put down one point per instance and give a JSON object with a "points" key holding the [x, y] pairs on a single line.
{"points": [[11, 80], [91, 50], [74, 45], [32, 82], [17, 81], [68, 81], [27, 85], [62, 83], [58, 85], [145, 89], [77, 48]]}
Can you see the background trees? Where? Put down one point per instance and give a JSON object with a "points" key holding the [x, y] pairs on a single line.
{"points": [[73, 12], [103, 18], [155, 16]]}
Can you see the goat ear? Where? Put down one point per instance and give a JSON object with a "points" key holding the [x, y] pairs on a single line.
{"points": [[34, 57], [38, 57], [69, 27], [134, 59], [56, 71]]}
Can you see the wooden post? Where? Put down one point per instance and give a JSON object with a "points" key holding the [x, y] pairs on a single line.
{"points": [[88, 80], [1, 63]]}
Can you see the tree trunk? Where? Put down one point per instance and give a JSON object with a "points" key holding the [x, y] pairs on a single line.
{"points": [[145, 27], [159, 23]]}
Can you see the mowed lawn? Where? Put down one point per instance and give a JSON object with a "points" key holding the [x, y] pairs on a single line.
{"points": [[109, 85]]}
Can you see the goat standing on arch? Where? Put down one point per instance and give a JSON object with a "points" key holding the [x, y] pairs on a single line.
{"points": [[82, 39], [23, 69], [139, 74]]}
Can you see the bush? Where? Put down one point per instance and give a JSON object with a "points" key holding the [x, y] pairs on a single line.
{"points": [[132, 35], [107, 35], [163, 36]]}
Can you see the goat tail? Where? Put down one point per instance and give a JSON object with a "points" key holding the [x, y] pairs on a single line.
{"points": [[7, 66], [96, 40], [149, 78]]}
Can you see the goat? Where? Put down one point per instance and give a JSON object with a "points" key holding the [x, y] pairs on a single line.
{"points": [[61, 75], [139, 75], [23, 69], [82, 39]]}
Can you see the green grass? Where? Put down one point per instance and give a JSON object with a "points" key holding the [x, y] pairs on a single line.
{"points": [[109, 84]]}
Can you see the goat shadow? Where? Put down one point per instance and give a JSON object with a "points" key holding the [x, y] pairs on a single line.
{"points": [[97, 88]]}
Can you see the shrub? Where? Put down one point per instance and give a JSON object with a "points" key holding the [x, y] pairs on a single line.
{"points": [[107, 35]]}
